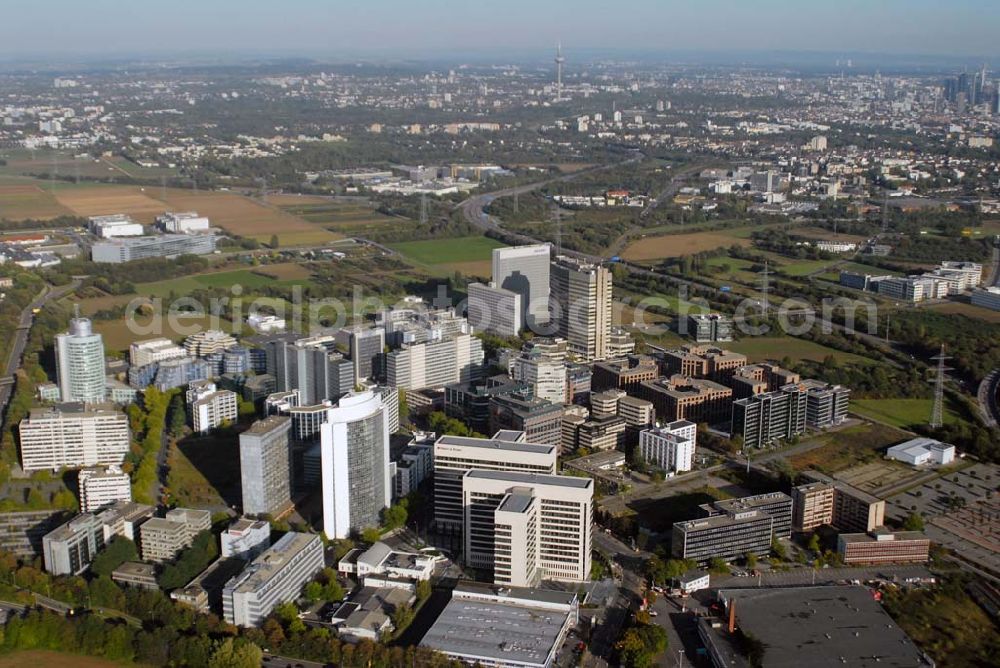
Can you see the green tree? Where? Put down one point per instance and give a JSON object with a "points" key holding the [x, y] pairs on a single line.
{"points": [[913, 522], [718, 566], [751, 559], [274, 241], [813, 544], [178, 416], [236, 653], [371, 535], [118, 550]]}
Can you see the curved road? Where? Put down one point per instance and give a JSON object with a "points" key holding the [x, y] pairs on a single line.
{"points": [[16, 353]]}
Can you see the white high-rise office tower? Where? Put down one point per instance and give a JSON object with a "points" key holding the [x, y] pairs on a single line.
{"points": [[354, 447], [581, 306], [525, 270], [80, 363], [527, 527]]}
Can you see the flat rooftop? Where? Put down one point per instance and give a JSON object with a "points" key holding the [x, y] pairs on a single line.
{"points": [[496, 444], [823, 627], [532, 478], [272, 560], [496, 632]]}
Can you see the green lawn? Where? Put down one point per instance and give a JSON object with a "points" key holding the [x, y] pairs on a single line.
{"points": [[224, 279], [447, 251], [762, 348], [805, 267], [903, 413]]}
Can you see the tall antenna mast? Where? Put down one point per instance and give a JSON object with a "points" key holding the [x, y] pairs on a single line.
{"points": [[937, 414], [558, 231], [559, 70], [885, 210], [763, 289]]}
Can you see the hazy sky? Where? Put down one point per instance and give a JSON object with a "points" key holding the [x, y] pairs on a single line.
{"points": [[421, 27]]}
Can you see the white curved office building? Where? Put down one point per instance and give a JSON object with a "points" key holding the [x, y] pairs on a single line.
{"points": [[354, 447]]}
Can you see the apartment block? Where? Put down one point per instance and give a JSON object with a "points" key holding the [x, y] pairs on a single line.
{"points": [[162, 538], [454, 456], [669, 447], [526, 527], [275, 576], [826, 405], [766, 418], [212, 410], [102, 486], [69, 549], [71, 436], [853, 510]]}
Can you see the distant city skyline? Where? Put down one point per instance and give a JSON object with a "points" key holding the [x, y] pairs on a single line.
{"points": [[392, 28]]}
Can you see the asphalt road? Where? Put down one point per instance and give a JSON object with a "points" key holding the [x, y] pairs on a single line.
{"points": [[21, 337]]}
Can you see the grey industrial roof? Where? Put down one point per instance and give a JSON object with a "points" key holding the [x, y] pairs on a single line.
{"points": [[823, 626], [532, 478], [501, 632]]}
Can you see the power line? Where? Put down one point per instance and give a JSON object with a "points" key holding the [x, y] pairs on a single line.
{"points": [[937, 413]]}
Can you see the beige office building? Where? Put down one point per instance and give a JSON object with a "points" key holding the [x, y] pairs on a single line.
{"points": [[581, 306], [527, 527], [456, 455]]}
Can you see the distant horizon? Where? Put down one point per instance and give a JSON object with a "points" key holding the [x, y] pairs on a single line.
{"points": [[535, 57], [959, 29]]}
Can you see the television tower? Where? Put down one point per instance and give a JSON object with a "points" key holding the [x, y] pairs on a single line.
{"points": [[560, 60]]}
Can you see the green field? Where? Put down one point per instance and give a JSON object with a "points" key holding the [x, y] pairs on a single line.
{"points": [[224, 279], [762, 348], [468, 255], [805, 267], [448, 251], [902, 413], [844, 448]]}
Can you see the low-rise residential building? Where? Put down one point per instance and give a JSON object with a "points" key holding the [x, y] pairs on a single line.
{"points": [[245, 538], [136, 574]]}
